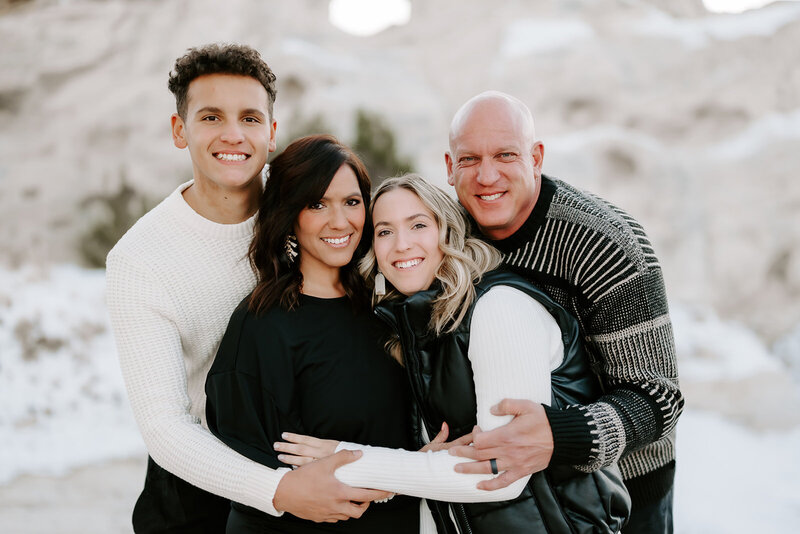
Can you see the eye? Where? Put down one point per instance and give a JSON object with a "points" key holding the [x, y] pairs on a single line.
{"points": [[210, 118], [419, 226], [352, 202], [467, 160], [252, 120], [382, 233], [316, 206], [508, 156]]}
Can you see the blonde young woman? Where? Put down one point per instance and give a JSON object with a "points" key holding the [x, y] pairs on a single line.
{"points": [[468, 336]]}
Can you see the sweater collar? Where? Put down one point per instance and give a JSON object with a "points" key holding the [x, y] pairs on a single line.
{"points": [[204, 226]]}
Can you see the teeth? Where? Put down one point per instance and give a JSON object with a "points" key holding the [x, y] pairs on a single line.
{"points": [[336, 240], [231, 157], [407, 264], [491, 197]]}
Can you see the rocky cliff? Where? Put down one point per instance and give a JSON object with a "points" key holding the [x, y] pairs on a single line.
{"points": [[689, 120]]}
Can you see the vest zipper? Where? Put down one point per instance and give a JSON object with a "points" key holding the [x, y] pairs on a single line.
{"points": [[463, 514]]}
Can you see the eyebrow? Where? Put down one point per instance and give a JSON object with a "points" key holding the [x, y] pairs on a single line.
{"points": [[409, 218], [351, 195], [213, 109]]}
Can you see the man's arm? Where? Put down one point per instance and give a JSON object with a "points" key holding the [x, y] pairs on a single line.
{"points": [[151, 359], [641, 404]]}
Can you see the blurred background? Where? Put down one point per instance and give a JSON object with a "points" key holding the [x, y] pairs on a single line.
{"points": [[686, 113]]}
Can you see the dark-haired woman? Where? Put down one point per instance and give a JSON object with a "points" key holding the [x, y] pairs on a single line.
{"points": [[303, 353]]}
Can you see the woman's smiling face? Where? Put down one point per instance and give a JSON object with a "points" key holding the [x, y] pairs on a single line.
{"points": [[406, 241]]}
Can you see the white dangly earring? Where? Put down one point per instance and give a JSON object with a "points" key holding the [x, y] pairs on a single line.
{"points": [[291, 248], [380, 284]]}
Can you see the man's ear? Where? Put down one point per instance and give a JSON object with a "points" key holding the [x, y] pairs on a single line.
{"points": [[272, 140], [449, 162], [537, 153], [178, 131]]}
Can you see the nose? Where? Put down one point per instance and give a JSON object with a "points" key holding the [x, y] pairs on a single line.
{"points": [[338, 220], [232, 133], [401, 241], [487, 173]]}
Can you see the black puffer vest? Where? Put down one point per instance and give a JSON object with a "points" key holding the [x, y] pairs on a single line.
{"points": [[557, 500]]}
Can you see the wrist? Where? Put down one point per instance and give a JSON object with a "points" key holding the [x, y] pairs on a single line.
{"points": [[572, 437]]}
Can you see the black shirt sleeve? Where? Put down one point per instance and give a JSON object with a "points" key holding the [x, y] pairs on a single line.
{"points": [[250, 388]]}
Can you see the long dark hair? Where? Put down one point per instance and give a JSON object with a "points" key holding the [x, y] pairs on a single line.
{"points": [[299, 177]]}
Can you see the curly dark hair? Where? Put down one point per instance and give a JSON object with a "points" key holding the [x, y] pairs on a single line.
{"points": [[299, 177], [219, 59]]}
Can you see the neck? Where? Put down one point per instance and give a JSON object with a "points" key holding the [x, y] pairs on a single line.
{"points": [[321, 283], [223, 206]]}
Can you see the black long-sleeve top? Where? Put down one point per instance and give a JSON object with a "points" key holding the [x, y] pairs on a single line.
{"points": [[321, 370]]}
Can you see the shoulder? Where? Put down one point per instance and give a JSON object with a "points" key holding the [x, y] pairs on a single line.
{"points": [[503, 301], [607, 224], [148, 233]]}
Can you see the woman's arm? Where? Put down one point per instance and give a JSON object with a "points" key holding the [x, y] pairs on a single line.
{"points": [[514, 345]]}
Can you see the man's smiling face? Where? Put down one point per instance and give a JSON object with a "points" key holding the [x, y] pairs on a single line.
{"points": [[228, 130], [494, 164]]}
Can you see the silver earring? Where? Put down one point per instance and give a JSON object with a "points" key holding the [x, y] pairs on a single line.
{"points": [[380, 284], [291, 248]]}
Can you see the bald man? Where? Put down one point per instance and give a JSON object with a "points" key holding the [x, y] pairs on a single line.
{"points": [[596, 261]]}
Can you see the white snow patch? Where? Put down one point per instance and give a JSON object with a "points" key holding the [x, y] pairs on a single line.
{"points": [[64, 402], [530, 36], [758, 135], [733, 480], [710, 349], [697, 33]]}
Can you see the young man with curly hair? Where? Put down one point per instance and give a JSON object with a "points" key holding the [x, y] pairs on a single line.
{"points": [[173, 281]]}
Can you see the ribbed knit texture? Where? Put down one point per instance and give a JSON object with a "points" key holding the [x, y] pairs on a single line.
{"points": [[172, 283], [596, 261], [514, 345]]}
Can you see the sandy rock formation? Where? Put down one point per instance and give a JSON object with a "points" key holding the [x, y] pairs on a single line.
{"points": [[689, 120]]}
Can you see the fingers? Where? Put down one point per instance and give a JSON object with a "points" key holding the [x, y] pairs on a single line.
{"points": [[295, 460], [502, 435], [466, 439], [366, 495], [297, 450], [441, 437], [477, 468], [512, 407], [500, 481], [298, 438], [474, 453], [342, 457]]}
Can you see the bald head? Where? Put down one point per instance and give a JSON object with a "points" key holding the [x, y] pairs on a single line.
{"points": [[489, 107], [495, 162]]}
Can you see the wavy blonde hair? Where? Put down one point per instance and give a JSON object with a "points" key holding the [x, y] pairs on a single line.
{"points": [[466, 258]]}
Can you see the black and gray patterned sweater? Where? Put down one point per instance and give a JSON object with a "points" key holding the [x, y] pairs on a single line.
{"points": [[596, 261]]}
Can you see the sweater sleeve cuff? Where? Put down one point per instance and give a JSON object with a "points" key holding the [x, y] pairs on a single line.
{"points": [[264, 483], [572, 436]]}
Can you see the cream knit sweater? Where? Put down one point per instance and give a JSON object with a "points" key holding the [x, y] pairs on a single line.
{"points": [[172, 282]]}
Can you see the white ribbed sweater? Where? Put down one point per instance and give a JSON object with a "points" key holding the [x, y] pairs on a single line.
{"points": [[514, 345], [172, 282]]}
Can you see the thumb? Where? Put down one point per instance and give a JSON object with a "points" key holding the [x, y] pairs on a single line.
{"points": [[441, 437], [512, 407], [343, 457]]}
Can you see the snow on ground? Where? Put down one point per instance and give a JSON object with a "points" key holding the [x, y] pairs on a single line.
{"points": [[63, 399], [64, 403], [734, 481]]}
